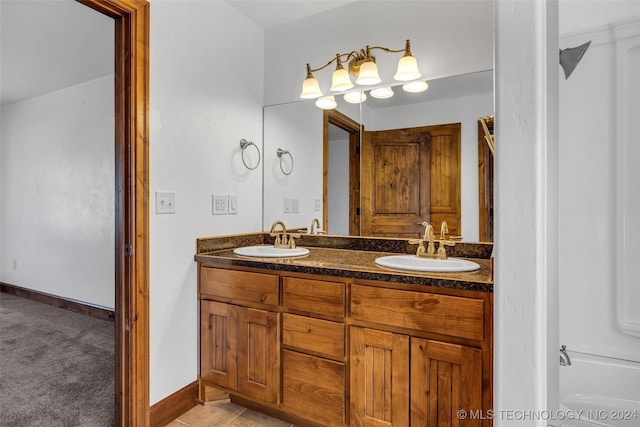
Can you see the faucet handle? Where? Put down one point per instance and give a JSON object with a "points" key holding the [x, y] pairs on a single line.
{"points": [[292, 242], [421, 249]]}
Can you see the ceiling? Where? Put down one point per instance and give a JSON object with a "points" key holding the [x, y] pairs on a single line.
{"points": [[38, 38], [269, 13]]}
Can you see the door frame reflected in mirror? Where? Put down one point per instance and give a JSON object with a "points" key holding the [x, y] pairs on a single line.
{"points": [[353, 128]]}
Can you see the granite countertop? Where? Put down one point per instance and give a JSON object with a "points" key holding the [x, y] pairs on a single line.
{"points": [[349, 263]]}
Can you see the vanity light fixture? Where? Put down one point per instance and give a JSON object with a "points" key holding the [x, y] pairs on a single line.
{"points": [[362, 65]]}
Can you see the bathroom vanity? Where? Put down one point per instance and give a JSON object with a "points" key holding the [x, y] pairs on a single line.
{"points": [[332, 339]]}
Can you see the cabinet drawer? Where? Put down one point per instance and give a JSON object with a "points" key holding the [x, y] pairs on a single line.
{"points": [[239, 285], [313, 296], [317, 335], [314, 388], [442, 314]]}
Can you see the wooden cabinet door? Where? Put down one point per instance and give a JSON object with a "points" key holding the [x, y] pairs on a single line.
{"points": [[314, 388], [445, 378], [379, 378], [258, 354], [218, 335]]}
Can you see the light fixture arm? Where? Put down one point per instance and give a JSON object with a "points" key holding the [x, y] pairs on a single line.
{"points": [[347, 57], [360, 55]]}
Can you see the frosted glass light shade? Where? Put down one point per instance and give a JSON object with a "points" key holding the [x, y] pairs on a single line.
{"points": [[355, 97], [415, 87], [340, 80], [368, 74], [407, 69], [326, 102], [310, 88], [382, 92]]}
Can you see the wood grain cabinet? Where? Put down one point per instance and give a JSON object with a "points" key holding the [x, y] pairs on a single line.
{"points": [[379, 378], [239, 346], [404, 379], [314, 368], [320, 351], [445, 378]]}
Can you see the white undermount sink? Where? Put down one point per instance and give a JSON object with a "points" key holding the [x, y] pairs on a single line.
{"points": [[270, 251], [413, 263]]}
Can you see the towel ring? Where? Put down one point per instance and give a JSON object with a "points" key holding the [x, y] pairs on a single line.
{"points": [[243, 145], [281, 153]]}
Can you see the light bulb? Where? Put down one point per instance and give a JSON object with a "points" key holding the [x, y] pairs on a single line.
{"points": [[326, 102], [368, 74], [407, 69], [415, 87], [340, 79], [355, 97], [310, 88], [382, 92]]}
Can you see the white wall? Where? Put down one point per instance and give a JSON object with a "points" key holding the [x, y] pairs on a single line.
{"points": [[465, 110], [590, 115], [58, 193], [296, 128], [206, 86], [338, 209], [526, 217]]}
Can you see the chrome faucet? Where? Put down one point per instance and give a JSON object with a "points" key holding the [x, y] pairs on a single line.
{"points": [[564, 357], [315, 226]]}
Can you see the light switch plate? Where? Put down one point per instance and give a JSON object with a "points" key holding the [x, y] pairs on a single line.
{"points": [[294, 205], [286, 202], [317, 205], [220, 204], [233, 204], [165, 202]]}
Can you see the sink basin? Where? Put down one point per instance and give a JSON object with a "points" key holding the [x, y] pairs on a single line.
{"points": [[270, 251], [413, 263]]}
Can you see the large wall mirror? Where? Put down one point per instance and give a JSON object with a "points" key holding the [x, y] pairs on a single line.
{"points": [[321, 182], [328, 172]]}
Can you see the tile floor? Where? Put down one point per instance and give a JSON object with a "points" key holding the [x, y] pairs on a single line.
{"points": [[225, 414]]}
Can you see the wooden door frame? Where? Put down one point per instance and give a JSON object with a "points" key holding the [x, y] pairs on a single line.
{"points": [[485, 186], [131, 207], [354, 128]]}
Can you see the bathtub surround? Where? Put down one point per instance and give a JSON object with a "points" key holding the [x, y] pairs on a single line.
{"points": [[56, 366], [599, 293], [599, 304]]}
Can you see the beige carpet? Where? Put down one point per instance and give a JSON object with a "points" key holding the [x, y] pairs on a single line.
{"points": [[56, 366]]}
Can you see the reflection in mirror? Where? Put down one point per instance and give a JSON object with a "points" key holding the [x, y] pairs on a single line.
{"points": [[322, 169]]}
